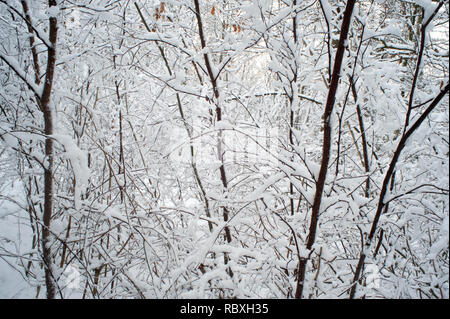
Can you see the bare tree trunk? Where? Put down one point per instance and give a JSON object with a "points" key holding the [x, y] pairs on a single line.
{"points": [[48, 172], [213, 80], [326, 144], [407, 132], [34, 53], [291, 104], [382, 206]]}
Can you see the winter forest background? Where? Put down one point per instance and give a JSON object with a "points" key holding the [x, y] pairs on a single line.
{"points": [[224, 149]]}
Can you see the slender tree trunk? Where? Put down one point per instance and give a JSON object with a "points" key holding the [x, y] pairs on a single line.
{"points": [[291, 105], [326, 144], [408, 130], [382, 206], [34, 53], [48, 172], [213, 80]]}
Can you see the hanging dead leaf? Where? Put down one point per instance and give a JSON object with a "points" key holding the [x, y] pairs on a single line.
{"points": [[162, 7], [213, 10], [157, 14]]}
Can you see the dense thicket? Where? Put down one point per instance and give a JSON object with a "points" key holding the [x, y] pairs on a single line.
{"points": [[224, 149]]}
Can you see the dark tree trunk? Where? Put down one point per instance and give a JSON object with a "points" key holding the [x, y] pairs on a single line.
{"points": [[326, 144], [48, 172]]}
